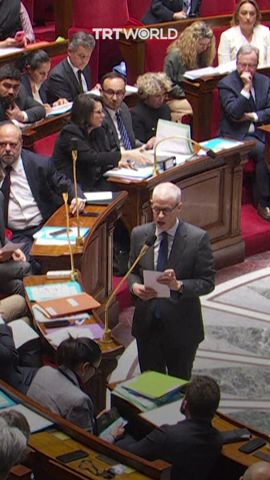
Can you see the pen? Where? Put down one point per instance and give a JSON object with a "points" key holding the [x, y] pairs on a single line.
{"points": [[131, 164]]}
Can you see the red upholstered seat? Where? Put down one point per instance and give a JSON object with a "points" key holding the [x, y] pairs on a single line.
{"points": [[263, 4], [92, 14], [255, 230], [155, 52], [217, 7], [45, 146]]}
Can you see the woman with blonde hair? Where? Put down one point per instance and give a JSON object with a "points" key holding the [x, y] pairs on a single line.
{"points": [[194, 48], [246, 29], [152, 90]]}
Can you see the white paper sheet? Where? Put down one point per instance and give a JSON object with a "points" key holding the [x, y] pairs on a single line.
{"points": [[150, 280]]}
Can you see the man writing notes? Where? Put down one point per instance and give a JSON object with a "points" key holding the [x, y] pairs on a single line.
{"points": [[245, 100], [31, 186], [169, 330]]}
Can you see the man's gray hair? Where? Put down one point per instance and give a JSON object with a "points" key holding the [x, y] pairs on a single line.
{"points": [[167, 190], [13, 445], [83, 39], [246, 50]]}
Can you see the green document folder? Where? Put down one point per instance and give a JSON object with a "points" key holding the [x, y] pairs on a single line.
{"points": [[155, 385]]}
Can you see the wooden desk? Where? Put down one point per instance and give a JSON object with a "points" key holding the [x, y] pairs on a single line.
{"points": [[52, 48], [94, 258], [110, 351], [211, 190], [47, 445], [232, 463]]}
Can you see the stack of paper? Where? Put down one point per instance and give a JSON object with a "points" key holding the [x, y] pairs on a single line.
{"points": [[141, 173], [58, 235], [57, 335], [52, 290]]}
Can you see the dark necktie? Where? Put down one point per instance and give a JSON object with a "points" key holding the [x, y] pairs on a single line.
{"points": [[123, 132], [162, 259], [80, 80], [252, 103], [6, 191]]}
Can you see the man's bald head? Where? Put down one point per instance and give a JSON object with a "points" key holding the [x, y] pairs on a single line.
{"points": [[257, 471], [10, 143]]}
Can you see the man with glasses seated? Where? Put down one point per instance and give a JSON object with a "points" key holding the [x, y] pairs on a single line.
{"points": [[169, 330], [245, 100]]}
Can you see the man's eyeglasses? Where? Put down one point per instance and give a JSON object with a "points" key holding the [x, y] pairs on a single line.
{"points": [[165, 210], [111, 93], [247, 65]]}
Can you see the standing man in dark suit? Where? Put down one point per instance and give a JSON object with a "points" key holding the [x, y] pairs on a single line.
{"points": [[192, 445], [169, 330], [245, 100], [168, 10], [15, 103], [72, 76], [32, 187]]}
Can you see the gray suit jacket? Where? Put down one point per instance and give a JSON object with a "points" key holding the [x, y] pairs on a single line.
{"points": [[110, 129], [191, 258], [59, 391], [62, 83]]}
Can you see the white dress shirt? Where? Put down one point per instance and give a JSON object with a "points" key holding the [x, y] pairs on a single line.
{"points": [[75, 70]]}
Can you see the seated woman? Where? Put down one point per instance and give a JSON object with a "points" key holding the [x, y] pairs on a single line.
{"points": [[152, 88], [194, 48], [94, 153], [36, 66], [168, 10], [246, 29], [15, 26]]}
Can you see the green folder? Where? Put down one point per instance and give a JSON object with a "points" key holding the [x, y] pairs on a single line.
{"points": [[155, 385]]}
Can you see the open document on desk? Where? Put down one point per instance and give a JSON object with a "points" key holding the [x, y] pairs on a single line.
{"points": [[59, 109], [210, 71]]}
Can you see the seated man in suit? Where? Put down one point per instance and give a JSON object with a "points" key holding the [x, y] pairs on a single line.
{"points": [[32, 188], [257, 471], [118, 122], [15, 104], [169, 10], [72, 76], [18, 368], [192, 445], [13, 267], [245, 100]]}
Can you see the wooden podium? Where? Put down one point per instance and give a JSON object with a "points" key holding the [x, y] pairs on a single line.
{"points": [[211, 193], [94, 258]]}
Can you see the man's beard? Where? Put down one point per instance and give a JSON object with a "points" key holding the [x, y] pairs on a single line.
{"points": [[7, 102]]}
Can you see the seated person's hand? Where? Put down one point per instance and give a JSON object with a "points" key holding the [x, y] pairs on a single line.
{"points": [[47, 107], [179, 15], [81, 205], [117, 432], [150, 144], [8, 42], [18, 256], [60, 101], [14, 113], [131, 158], [144, 293], [4, 256]]}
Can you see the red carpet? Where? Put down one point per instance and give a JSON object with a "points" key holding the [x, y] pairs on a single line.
{"points": [[255, 231]]}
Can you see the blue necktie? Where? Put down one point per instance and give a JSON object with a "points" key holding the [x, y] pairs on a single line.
{"points": [[162, 259], [123, 132]]}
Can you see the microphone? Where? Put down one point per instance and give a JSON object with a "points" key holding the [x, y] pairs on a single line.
{"points": [[149, 242], [196, 147], [73, 274], [74, 154]]}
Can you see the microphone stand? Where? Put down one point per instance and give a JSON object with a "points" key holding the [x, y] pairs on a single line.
{"points": [[196, 148], [107, 331], [73, 273], [79, 239]]}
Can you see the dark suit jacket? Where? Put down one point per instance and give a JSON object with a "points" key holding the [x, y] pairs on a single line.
{"points": [[62, 83], [42, 91], [163, 10], [94, 156], [46, 183], [35, 111], [110, 129], [191, 258], [192, 446], [234, 105], [10, 371], [145, 119]]}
